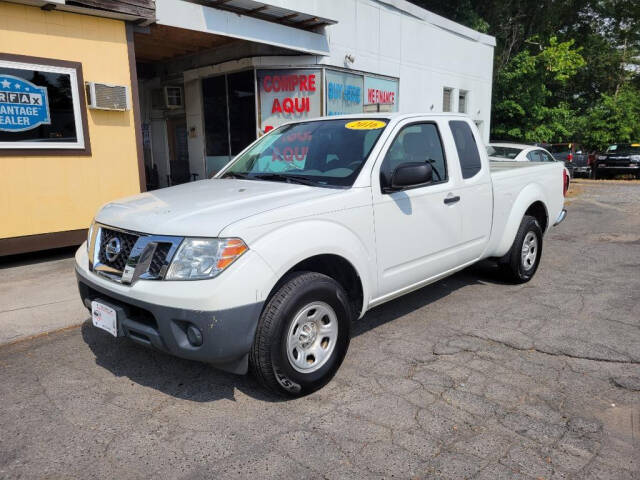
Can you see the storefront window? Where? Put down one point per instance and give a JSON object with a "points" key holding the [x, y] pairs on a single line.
{"points": [[344, 93], [40, 107], [381, 94], [242, 110], [287, 95]]}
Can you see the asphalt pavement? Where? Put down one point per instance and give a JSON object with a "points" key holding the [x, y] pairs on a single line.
{"points": [[466, 378]]}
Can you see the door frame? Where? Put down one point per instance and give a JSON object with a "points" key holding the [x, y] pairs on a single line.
{"points": [[171, 122]]}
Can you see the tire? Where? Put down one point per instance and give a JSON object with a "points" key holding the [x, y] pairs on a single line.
{"points": [[516, 268], [303, 335]]}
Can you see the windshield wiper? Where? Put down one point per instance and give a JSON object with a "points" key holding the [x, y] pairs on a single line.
{"points": [[302, 180]]}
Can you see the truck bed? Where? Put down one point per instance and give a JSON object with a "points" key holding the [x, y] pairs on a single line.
{"points": [[527, 171], [497, 166]]}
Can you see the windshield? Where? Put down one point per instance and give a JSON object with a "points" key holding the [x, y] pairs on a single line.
{"points": [[625, 149], [324, 153], [503, 152]]}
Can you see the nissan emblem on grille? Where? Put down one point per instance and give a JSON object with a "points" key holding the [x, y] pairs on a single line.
{"points": [[113, 248]]}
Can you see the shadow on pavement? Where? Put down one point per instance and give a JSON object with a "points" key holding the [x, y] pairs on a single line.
{"points": [[482, 272], [200, 382]]}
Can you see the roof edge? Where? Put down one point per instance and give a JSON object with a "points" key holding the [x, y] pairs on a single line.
{"points": [[440, 21]]}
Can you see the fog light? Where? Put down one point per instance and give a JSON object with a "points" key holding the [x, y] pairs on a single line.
{"points": [[194, 335]]}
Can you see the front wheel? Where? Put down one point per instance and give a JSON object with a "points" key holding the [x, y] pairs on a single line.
{"points": [[520, 263], [302, 336]]}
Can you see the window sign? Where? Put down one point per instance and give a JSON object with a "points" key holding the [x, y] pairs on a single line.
{"points": [[23, 105], [40, 106], [344, 93], [287, 95], [381, 93]]}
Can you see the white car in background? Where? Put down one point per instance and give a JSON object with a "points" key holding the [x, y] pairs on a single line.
{"points": [[520, 152]]}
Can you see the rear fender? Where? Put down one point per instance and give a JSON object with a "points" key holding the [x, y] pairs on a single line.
{"points": [[528, 196]]}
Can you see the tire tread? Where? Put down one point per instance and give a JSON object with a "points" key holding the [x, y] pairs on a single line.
{"points": [[260, 355]]}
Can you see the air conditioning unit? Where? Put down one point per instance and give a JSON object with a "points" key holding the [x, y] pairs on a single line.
{"points": [[173, 97], [102, 96]]}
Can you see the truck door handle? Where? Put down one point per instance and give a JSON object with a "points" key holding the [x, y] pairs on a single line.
{"points": [[451, 199]]}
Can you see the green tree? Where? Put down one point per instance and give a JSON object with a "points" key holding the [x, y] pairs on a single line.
{"points": [[533, 99], [613, 119], [525, 106]]}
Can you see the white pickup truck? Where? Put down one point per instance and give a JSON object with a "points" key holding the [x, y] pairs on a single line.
{"points": [[266, 265]]}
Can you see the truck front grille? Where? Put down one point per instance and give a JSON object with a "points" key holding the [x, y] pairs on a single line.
{"points": [[124, 240], [159, 259], [125, 256]]}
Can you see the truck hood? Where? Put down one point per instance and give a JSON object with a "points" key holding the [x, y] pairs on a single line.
{"points": [[204, 208]]}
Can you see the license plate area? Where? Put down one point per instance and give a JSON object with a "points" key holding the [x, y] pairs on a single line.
{"points": [[105, 317]]}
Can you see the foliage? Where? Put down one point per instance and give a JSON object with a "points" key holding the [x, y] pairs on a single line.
{"points": [[564, 70], [525, 107], [613, 119]]}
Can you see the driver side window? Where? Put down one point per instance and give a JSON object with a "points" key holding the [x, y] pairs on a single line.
{"points": [[419, 142]]}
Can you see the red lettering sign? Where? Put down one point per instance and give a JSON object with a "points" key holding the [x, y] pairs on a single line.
{"points": [[380, 96], [291, 105], [289, 83]]}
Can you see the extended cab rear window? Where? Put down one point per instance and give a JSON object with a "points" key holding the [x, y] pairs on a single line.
{"points": [[467, 148]]}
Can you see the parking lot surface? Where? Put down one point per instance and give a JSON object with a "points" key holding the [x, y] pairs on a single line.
{"points": [[466, 378]]}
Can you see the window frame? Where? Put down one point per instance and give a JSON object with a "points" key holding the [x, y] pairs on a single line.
{"points": [[463, 94], [82, 146], [420, 185], [450, 107]]}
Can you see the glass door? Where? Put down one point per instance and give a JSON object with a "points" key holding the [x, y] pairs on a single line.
{"points": [[229, 117]]}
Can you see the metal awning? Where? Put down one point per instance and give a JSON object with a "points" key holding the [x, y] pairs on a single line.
{"points": [[208, 17], [271, 13]]}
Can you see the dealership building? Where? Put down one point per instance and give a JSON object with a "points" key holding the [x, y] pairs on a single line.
{"points": [[99, 100]]}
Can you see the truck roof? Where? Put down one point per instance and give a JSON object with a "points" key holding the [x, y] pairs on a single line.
{"points": [[385, 115]]}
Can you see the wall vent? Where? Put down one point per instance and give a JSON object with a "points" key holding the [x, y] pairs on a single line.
{"points": [[102, 96]]}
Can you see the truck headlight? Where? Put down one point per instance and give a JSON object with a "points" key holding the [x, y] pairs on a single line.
{"points": [[202, 258], [601, 157], [635, 158]]}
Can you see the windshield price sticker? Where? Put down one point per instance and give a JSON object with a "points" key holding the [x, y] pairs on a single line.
{"points": [[365, 125]]}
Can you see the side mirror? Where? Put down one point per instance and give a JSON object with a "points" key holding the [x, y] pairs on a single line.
{"points": [[410, 174]]}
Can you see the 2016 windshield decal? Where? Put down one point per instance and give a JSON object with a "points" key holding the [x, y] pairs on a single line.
{"points": [[23, 105], [365, 125]]}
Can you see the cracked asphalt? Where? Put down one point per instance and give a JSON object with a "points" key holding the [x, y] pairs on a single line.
{"points": [[466, 378]]}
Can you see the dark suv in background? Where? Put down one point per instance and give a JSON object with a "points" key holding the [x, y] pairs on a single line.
{"points": [[622, 158], [574, 157]]}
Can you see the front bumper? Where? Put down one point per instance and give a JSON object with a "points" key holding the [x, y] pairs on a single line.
{"points": [[157, 313], [618, 169], [227, 335]]}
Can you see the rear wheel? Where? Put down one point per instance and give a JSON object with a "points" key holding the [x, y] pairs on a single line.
{"points": [[521, 262], [302, 336]]}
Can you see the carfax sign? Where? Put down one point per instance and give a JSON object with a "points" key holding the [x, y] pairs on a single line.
{"points": [[23, 105]]}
